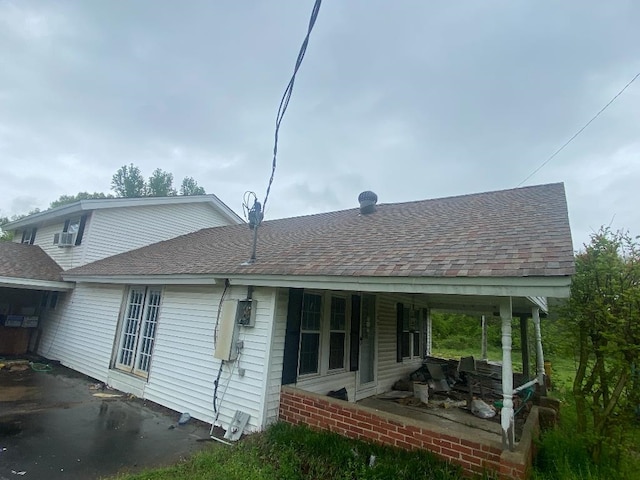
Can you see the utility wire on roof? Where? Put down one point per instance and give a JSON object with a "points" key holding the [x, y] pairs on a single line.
{"points": [[580, 131], [284, 102]]}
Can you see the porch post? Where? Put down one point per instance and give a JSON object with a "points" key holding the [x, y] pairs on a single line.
{"points": [[507, 416], [484, 338], [429, 337], [524, 347], [535, 315]]}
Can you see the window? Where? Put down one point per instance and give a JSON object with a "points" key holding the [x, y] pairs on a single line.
{"points": [[139, 325], [310, 334], [29, 236], [49, 300], [72, 232], [323, 334], [53, 300], [337, 332], [409, 332]]}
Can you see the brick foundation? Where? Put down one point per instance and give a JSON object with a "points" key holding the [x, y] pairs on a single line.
{"points": [[359, 422]]}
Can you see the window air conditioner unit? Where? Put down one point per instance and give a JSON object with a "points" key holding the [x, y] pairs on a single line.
{"points": [[64, 239]]}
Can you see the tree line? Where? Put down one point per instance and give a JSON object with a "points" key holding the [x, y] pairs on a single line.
{"points": [[128, 181]]}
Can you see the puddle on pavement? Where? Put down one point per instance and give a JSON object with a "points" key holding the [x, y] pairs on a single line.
{"points": [[53, 427], [10, 428]]}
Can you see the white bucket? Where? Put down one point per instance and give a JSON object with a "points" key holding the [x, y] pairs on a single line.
{"points": [[421, 391]]}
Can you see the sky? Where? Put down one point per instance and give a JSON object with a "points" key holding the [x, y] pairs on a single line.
{"points": [[410, 99]]}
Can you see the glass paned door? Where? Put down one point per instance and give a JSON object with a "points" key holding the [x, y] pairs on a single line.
{"points": [[148, 332], [138, 330], [367, 372]]}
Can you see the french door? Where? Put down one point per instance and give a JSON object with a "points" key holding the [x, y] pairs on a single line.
{"points": [[139, 325]]}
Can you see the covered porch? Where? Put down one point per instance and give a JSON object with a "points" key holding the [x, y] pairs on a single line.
{"points": [[403, 322], [30, 283]]}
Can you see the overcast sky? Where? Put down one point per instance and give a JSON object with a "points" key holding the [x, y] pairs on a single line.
{"points": [[410, 99]]}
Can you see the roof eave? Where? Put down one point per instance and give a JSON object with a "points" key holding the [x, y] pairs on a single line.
{"points": [[144, 279], [534, 287], [101, 203], [35, 284]]}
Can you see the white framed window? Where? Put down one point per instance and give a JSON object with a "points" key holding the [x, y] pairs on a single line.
{"points": [[337, 333], [411, 343], [138, 330], [310, 334], [29, 236], [323, 334]]}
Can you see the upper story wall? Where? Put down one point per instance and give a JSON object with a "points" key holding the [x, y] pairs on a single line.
{"points": [[110, 231], [114, 231]]}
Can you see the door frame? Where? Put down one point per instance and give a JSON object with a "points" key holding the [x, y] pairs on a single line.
{"points": [[370, 388]]}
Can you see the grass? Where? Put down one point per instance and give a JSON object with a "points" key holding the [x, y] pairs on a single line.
{"points": [[562, 455], [287, 452]]}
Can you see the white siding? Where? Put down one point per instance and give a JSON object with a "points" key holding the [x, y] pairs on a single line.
{"points": [[66, 257], [389, 371], [80, 331], [274, 373], [116, 230], [183, 369]]}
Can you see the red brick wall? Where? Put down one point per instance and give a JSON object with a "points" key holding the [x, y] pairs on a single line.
{"points": [[354, 421]]}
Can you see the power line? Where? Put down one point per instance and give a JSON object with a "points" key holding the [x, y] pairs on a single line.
{"points": [[284, 102], [580, 131]]}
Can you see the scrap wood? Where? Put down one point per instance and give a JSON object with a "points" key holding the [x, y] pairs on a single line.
{"points": [[107, 395]]}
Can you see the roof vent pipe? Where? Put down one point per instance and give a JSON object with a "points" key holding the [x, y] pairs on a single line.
{"points": [[368, 202]]}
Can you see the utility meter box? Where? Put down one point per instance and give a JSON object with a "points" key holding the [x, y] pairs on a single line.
{"points": [[246, 313], [226, 347], [233, 315]]}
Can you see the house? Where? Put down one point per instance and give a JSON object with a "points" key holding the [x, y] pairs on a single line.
{"points": [[47, 243], [335, 300]]}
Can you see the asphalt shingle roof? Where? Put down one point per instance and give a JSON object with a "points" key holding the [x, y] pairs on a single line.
{"points": [[27, 261], [509, 233]]}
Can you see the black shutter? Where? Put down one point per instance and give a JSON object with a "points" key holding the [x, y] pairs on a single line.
{"points": [[66, 226], [83, 221], [24, 235], [33, 236], [399, 325], [292, 337], [354, 350]]}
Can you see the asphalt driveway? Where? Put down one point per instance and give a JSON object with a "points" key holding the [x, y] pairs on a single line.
{"points": [[54, 426]]}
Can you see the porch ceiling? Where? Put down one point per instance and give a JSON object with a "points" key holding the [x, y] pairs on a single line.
{"points": [[483, 305]]}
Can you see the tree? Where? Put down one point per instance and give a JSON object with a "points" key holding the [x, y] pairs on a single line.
{"points": [[190, 187], [67, 199], [160, 184], [128, 182], [4, 235], [603, 314]]}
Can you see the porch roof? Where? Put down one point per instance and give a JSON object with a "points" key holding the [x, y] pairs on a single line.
{"points": [[28, 266], [515, 233]]}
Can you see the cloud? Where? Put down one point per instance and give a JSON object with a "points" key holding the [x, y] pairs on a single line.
{"points": [[410, 99]]}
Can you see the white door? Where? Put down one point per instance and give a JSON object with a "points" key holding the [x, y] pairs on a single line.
{"points": [[367, 381], [139, 330]]}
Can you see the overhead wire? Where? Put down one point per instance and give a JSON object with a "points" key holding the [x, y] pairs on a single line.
{"points": [[580, 131], [286, 96]]}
